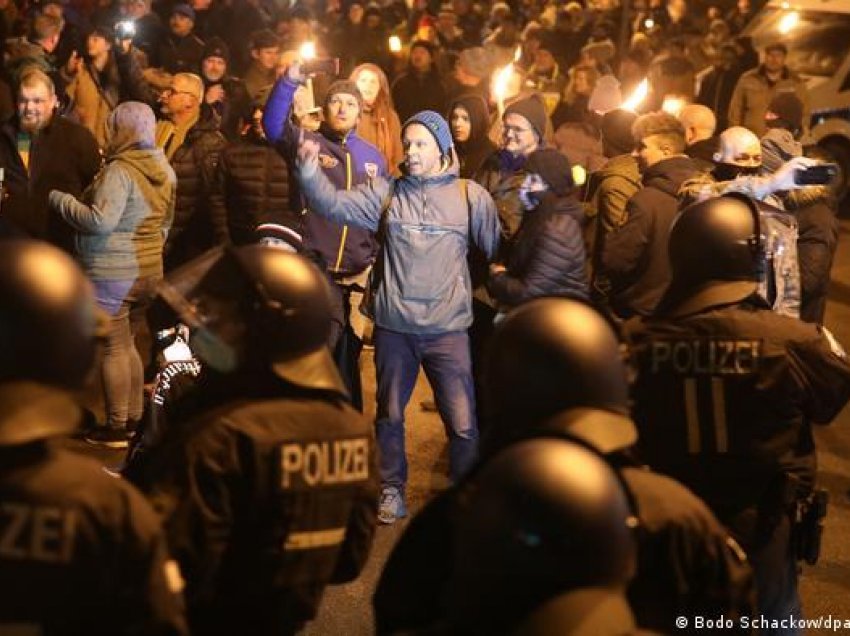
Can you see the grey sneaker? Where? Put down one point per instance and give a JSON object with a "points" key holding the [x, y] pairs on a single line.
{"points": [[392, 505]]}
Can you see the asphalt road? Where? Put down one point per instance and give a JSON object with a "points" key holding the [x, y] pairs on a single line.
{"points": [[825, 588]]}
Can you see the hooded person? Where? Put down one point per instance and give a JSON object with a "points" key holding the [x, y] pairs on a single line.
{"points": [[379, 123], [547, 257], [469, 121], [120, 224], [814, 207]]}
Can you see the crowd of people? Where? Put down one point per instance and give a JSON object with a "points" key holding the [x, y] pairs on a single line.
{"points": [[586, 224]]}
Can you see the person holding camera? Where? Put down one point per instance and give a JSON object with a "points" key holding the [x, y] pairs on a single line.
{"points": [[347, 160], [106, 75]]}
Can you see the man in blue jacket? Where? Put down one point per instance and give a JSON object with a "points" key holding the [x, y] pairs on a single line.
{"points": [[420, 291], [347, 160]]}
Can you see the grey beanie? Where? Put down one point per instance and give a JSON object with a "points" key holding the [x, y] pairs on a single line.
{"points": [[437, 126]]}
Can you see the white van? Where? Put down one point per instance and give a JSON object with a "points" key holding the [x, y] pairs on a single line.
{"points": [[817, 33]]}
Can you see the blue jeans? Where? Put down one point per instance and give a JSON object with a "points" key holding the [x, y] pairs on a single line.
{"points": [[121, 366], [446, 360]]}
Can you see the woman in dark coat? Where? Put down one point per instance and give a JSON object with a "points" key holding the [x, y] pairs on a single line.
{"points": [[548, 257], [470, 122]]}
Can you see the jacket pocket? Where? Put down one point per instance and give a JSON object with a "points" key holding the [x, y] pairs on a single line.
{"points": [[427, 271]]}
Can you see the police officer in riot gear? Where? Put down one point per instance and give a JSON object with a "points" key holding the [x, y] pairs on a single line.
{"points": [[727, 391], [542, 518], [555, 370], [268, 483], [80, 552]]}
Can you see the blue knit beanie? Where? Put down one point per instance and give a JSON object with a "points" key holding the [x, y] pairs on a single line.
{"points": [[436, 125]]}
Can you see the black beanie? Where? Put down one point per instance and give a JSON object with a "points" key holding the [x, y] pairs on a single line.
{"points": [[534, 112], [616, 129], [216, 47], [553, 167], [785, 111]]}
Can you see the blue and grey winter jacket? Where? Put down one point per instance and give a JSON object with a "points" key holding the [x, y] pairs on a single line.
{"points": [[347, 161], [422, 282]]}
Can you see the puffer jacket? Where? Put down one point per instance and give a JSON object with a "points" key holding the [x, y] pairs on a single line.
{"points": [[124, 216], [547, 258], [634, 258], [196, 228], [347, 161], [753, 94], [420, 283], [251, 187]]}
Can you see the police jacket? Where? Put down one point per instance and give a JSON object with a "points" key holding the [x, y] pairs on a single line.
{"points": [[421, 282], [80, 552], [725, 398], [687, 563], [268, 493], [63, 156], [251, 187], [547, 258], [348, 161], [634, 258]]}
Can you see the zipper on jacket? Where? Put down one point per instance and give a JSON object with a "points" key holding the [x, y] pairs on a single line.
{"points": [[348, 179]]}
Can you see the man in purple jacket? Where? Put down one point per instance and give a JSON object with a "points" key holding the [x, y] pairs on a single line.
{"points": [[348, 161]]}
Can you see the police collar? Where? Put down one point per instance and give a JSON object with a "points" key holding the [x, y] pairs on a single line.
{"points": [[605, 431], [30, 411], [682, 300]]}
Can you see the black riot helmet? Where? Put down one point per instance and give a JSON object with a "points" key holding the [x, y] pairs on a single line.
{"points": [[557, 356], [49, 327], [540, 518], [257, 306], [716, 255]]}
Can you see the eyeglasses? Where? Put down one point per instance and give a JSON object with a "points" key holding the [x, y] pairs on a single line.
{"points": [[514, 130], [170, 91]]}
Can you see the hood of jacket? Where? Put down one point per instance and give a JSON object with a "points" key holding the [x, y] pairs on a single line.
{"points": [[131, 126], [150, 162], [668, 174]]}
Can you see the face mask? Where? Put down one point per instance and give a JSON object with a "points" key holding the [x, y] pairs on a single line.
{"points": [[529, 199], [728, 171]]}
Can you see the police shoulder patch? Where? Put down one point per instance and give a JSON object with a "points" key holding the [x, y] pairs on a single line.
{"points": [[327, 161]]}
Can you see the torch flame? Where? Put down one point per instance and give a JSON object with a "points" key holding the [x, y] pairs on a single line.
{"points": [[636, 97], [395, 44], [788, 22], [503, 76], [307, 51]]}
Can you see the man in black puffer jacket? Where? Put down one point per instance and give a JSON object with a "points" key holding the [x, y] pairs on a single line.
{"points": [[192, 144], [635, 255], [548, 257], [252, 186]]}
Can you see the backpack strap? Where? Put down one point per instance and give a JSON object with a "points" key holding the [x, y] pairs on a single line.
{"points": [[464, 190]]}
